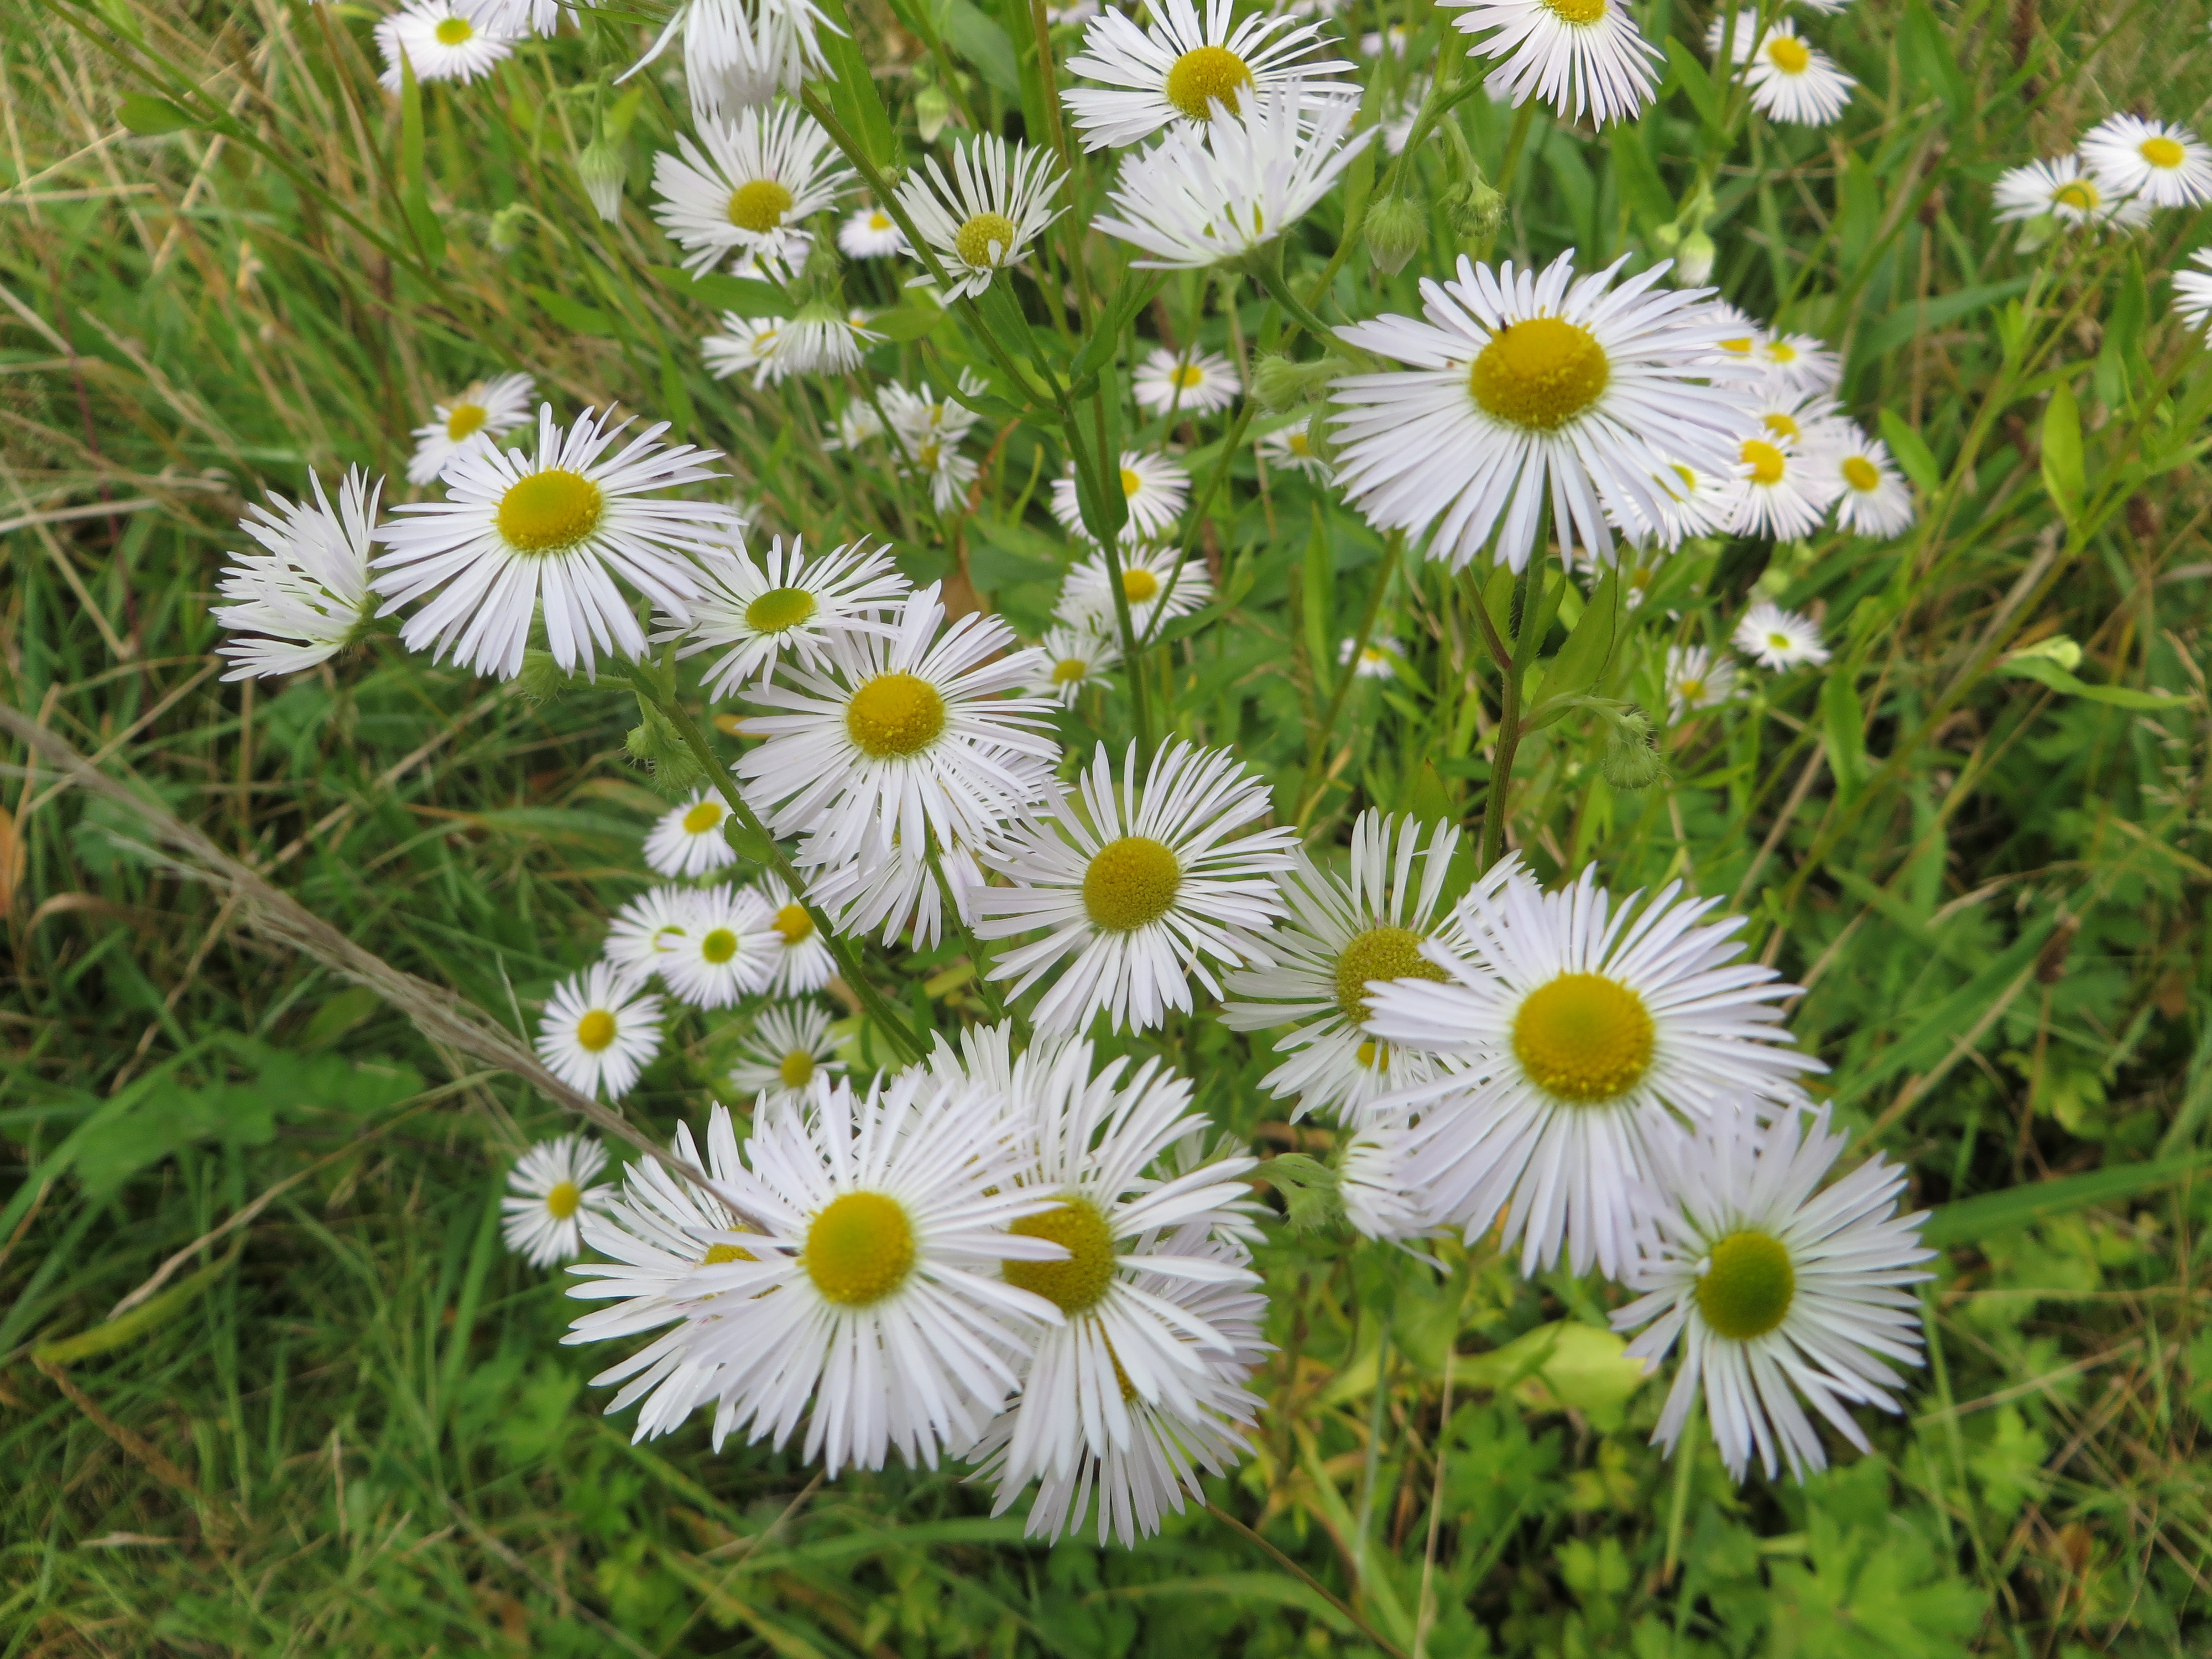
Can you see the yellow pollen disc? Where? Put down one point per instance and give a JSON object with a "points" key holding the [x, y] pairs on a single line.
{"points": [[858, 1249], [1132, 881], [717, 1254], [719, 946], [1069, 670], [464, 419], [1379, 953], [925, 456], [1298, 444], [1860, 473], [1540, 373], [1373, 1057], [974, 240], [1139, 586], [1691, 690], [1584, 1037], [2162, 153], [455, 31], [1076, 1285], [2078, 193], [551, 511], [1781, 351], [895, 714], [793, 923], [1764, 461], [702, 817], [1741, 347], [878, 221], [1580, 13], [564, 1201], [797, 1070], [1780, 641], [1205, 77], [1689, 478], [1781, 425], [778, 609], [1131, 483], [1747, 1286], [759, 205], [1789, 54], [1189, 375], [596, 1030]]}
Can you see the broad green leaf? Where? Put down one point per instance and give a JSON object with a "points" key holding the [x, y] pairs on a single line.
{"points": [[1912, 451], [1641, 186], [144, 113], [2044, 672], [747, 296], [908, 322], [1907, 321], [1684, 70], [573, 314], [984, 45], [2061, 452], [1968, 1220], [414, 180], [1843, 730], [854, 95], [1566, 1363], [1582, 661]]}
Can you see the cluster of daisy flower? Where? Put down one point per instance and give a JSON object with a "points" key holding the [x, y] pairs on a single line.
{"points": [[1697, 676]]}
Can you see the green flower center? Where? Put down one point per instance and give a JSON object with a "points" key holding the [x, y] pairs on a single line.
{"points": [[1077, 1284], [454, 32], [549, 512], [719, 946], [1069, 670], [858, 1249], [1584, 1037], [1747, 1286], [1540, 373], [797, 1070], [1205, 77], [1379, 953], [1131, 882], [779, 608], [893, 715]]}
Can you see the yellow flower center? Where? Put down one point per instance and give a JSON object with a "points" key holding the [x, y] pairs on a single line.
{"points": [[1860, 473], [1789, 54], [717, 1254], [1780, 642], [1747, 1286], [1781, 351], [1139, 586], [1076, 1285], [1131, 882], [1741, 347], [464, 419], [1781, 425], [564, 1201], [1540, 373], [454, 31], [1764, 461], [1373, 1057], [2078, 193], [1299, 446], [797, 1070], [758, 205], [1069, 670], [703, 816], [1188, 375], [1379, 953], [879, 222], [1131, 482], [793, 923], [1580, 13], [1585, 1038], [858, 1249], [2162, 152], [551, 511], [719, 946], [976, 241], [779, 608], [1205, 77], [596, 1030], [1690, 691], [893, 715]]}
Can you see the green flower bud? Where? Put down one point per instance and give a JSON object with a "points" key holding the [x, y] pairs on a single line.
{"points": [[1473, 209], [1280, 384], [1695, 262], [655, 743], [932, 109], [1631, 763], [601, 170], [1397, 227], [508, 225], [542, 679]]}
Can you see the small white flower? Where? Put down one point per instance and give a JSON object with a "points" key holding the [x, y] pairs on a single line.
{"points": [[747, 185], [736, 56], [1775, 1288], [1689, 503], [1780, 488], [2192, 290], [871, 234], [474, 421], [997, 201], [2160, 163], [299, 602], [1799, 364], [789, 1046], [651, 925], [691, 840], [786, 607], [1158, 585], [1382, 1192], [928, 433], [549, 1189], [458, 41], [1155, 488], [1290, 449], [1190, 382], [1790, 80], [1697, 679], [1873, 499], [1578, 56], [600, 1031], [1378, 659], [1780, 639], [747, 345], [1178, 70], [2063, 189], [728, 949], [857, 422], [1075, 660]]}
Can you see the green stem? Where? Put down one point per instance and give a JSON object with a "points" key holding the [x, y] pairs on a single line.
{"points": [[1516, 142], [1391, 545], [1514, 668], [1265, 264], [725, 785]]}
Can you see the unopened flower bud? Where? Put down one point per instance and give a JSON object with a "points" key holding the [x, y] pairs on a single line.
{"points": [[508, 225], [1667, 238], [1631, 763], [656, 742], [542, 679], [1473, 209], [1397, 227], [1695, 263], [601, 170], [1321, 439], [1280, 384], [933, 108]]}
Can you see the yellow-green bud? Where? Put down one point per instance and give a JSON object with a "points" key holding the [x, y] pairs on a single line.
{"points": [[1695, 262], [1397, 227], [508, 225], [1280, 384], [1473, 209], [601, 171], [933, 108]]}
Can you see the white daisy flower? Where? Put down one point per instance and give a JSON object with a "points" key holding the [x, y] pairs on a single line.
{"points": [[737, 57], [1155, 487], [727, 953], [442, 41], [514, 532], [746, 345], [928, 432], [2192, 291], [2160, 163], [1123, 1219], [2060, 188], [1377, 1183], [1790, 81], [549, 1189], [1578, 56], [873, 1307], [996, 203], [600, 1030], [1689, 503], [1377, 659], [899, 734], [1780, 488], [803, 961], [1741, 334], [1523, 383], [476, 420], [656, 1234], [692, 840], [521, 17], [1207, 195], [1344, 931], [1148, 888], [655, 924], [1175, 72], [1697, 679], [1190, 382], [820, 340], [871, 234], [1075, 660], [300, 602], [1289, 448], [1780, 639], [1585, 1027], [857, 422], [1804, 421], [789, 1046], [1798, 363], [747, 185], [1874, 500], [1775, 1288], [1157, 591], [755, 610]]}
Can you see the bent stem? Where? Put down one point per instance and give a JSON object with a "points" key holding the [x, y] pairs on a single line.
{"points": [[725, 785], [1311, 1583]]}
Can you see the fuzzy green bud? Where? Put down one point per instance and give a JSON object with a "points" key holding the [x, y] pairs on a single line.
{"points": [[655, 743], [1631, 763], [932, 109], [508, 225], [1694, 263], [542, 679], [1395, 227], [602, 173], [1321, 438], [824, 273], [1473, 208], [1280, 384]]}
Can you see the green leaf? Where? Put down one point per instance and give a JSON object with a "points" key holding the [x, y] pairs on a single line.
{"points": [[908, 322], [147, 115], [985, 45], [1582, 660], [414, 180], [1902, 323], [1566, 1363], [573, 314], [1641, 186], [155, 1310], [1843, 729], [2061, 452], [747, 296], [2044, 672], [1912, 451], [1684, 70], [1965, 1220], [1941, 1025], [853, 95]]}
